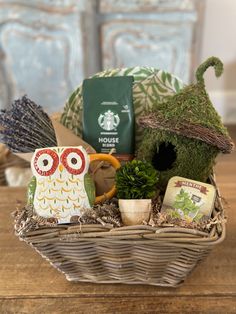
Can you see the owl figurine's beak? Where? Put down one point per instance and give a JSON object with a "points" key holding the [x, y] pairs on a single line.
{"points": [[61, 167]]}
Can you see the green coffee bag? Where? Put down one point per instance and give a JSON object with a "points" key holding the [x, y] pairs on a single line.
{"points": [[108, 115]]}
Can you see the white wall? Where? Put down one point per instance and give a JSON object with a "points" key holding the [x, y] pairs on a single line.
{"points": [[219, 39]]}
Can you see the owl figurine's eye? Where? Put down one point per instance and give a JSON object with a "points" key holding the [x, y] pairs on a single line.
{"points": [[73, 160], [46, 162]]}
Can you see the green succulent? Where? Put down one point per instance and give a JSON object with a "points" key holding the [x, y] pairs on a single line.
{"points": [[136, 180]]}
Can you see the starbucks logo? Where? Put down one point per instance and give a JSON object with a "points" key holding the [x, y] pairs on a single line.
{"points": [[108, 120]]}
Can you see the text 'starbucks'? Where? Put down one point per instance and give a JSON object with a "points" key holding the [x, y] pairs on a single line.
{"points": [[108, 117]]}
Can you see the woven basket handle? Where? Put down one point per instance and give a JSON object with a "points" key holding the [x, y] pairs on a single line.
{"points": [[210, 62]]}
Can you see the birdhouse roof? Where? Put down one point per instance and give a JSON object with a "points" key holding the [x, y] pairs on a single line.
{"points": [[190, 113]]}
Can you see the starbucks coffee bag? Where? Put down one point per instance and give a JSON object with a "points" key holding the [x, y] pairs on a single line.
{"points": [[108, 115]]}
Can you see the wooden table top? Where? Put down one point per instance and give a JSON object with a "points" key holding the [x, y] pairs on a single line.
{"points": [[29, 284]]}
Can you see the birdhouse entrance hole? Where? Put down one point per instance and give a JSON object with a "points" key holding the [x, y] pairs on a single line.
{"points": [[165, 157]]}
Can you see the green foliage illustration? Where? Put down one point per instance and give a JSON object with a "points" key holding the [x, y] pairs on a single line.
{"points": [[184, 203]]}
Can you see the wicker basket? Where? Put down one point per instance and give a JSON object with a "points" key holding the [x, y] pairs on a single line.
{"points": [[131, 255]]}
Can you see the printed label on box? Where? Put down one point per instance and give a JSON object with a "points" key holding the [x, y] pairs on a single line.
{"points": [[188, 199]]}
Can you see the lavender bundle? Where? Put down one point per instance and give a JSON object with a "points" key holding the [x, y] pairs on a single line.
{"points": [[26, 127]]}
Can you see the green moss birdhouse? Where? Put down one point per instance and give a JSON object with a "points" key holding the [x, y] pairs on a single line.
{"points": [[183, 135]]}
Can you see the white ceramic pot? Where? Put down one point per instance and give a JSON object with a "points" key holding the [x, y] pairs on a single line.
{"points": [[134, 212]]}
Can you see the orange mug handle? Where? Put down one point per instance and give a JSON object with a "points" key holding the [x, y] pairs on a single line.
{"points": [[116, 164]]}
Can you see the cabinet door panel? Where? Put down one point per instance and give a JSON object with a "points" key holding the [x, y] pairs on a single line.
{"points": [[40, 53], [124, 6], [147, 43]]}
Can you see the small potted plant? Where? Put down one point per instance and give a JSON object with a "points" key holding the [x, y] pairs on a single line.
{"points": [[136, 184]]}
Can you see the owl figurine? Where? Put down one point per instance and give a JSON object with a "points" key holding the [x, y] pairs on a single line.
{"points": [[61, 186]]}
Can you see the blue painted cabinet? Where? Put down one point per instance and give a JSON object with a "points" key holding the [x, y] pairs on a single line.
{"points": [[48, 47]]}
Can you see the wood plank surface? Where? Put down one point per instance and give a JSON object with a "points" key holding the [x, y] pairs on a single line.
{"points": [[122, 305], [29, 284]]}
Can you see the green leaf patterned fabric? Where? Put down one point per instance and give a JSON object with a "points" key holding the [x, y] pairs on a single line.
{"points": [[150, 87]]}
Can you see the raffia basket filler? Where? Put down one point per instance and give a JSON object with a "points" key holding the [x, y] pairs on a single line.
{"points": [[93, 239]]}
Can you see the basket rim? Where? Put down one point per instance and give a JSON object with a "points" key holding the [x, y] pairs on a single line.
{"points": [[174, 236]]}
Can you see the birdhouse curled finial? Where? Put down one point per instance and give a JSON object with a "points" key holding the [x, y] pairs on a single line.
{"points": [[210, 62]]}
